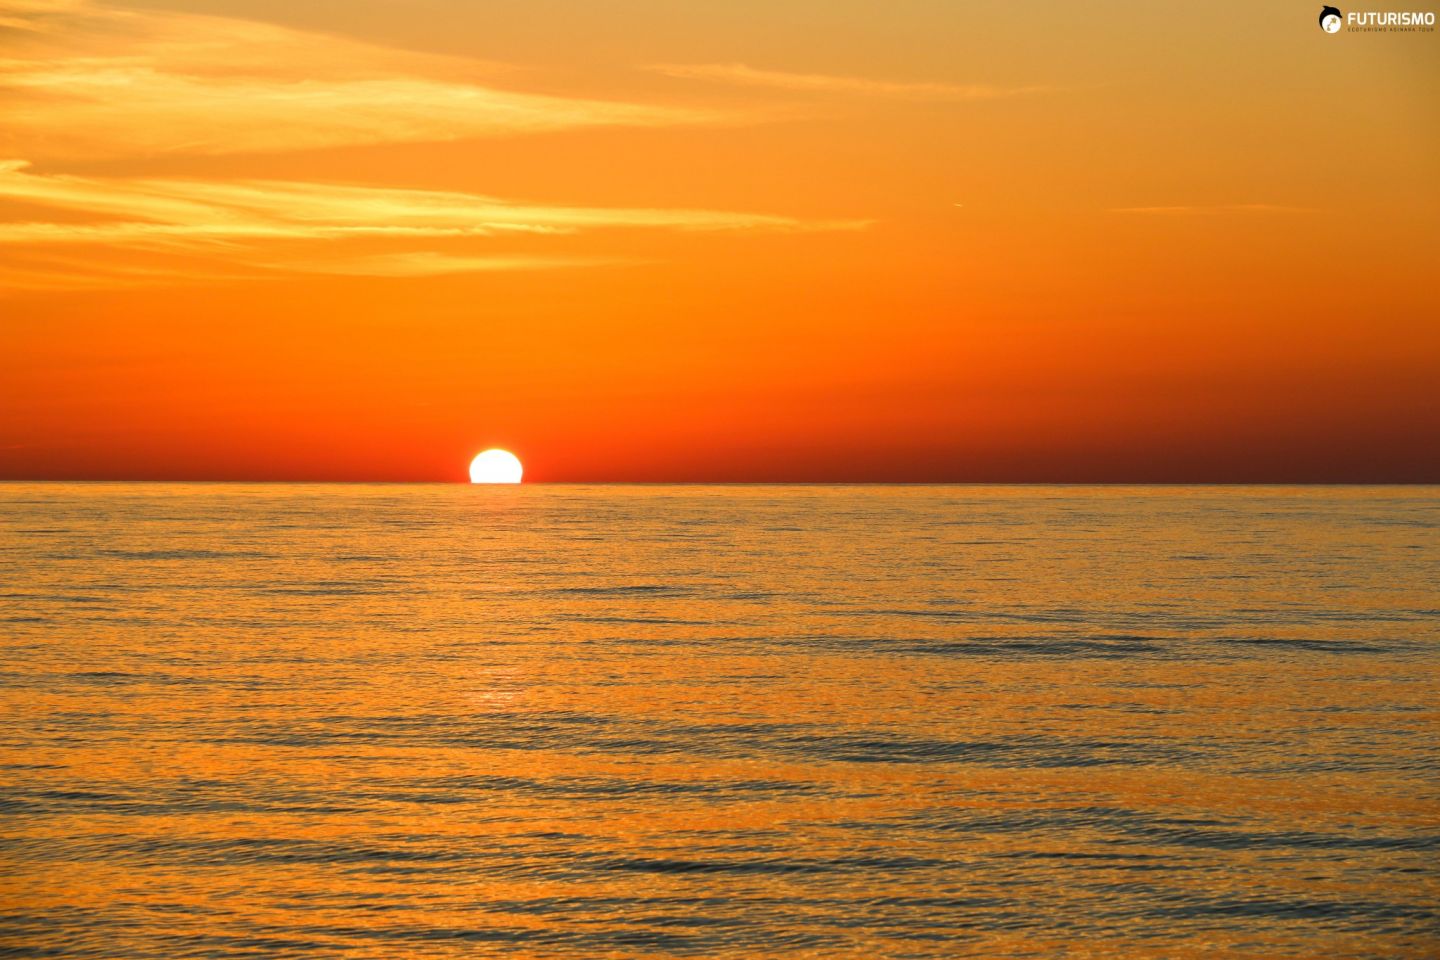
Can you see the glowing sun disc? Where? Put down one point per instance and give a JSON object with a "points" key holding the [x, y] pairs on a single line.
{"points": [[496, 466]]}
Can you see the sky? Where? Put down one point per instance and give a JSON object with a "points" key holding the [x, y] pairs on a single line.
{"points": [[807, 240]]}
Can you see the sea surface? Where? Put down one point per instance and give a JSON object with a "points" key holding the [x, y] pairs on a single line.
{"points": [[433, 721]]}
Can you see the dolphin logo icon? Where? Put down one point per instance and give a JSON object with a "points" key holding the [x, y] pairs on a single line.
{"points": [[1330, 19]]}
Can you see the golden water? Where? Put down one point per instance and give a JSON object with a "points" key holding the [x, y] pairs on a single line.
{"points": [[445, 721]]}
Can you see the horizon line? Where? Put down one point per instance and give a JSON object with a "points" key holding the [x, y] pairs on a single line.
{"points": [[743, 483]]}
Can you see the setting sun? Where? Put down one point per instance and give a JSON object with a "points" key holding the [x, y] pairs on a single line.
{"points": [[496, 466]]}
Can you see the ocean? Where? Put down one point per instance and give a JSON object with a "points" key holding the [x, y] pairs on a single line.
{"points": [[432, 721]]}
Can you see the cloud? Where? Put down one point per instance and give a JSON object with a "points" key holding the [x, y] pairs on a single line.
{"points": [[744, 75], [153, 211], [29, 272], [235, 221], [81, 81], [426, 263], [84, 82], [1213, 209], [33, 15]]}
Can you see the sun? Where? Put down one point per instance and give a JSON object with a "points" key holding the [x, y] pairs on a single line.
{"points": [[496, 466]]}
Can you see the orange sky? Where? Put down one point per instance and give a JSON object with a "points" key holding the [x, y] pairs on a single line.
{"points": [[649, 240]]}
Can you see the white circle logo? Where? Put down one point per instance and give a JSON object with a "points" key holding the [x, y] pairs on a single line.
{"points": [[1330, 19]]}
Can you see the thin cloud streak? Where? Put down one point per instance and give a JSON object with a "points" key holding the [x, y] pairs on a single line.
{"points": [[84, 82], [33, 16], [233, 220], [1213, 209], [54, 275], [174, 210], [424, 263], [744, 75]]}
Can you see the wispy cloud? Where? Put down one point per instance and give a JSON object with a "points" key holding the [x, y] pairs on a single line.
{"points": [[1204, 210], [82, 81], [428, 263], [33, 15], [150, 212], [234, 220], [745, 75], [30, 274]]}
